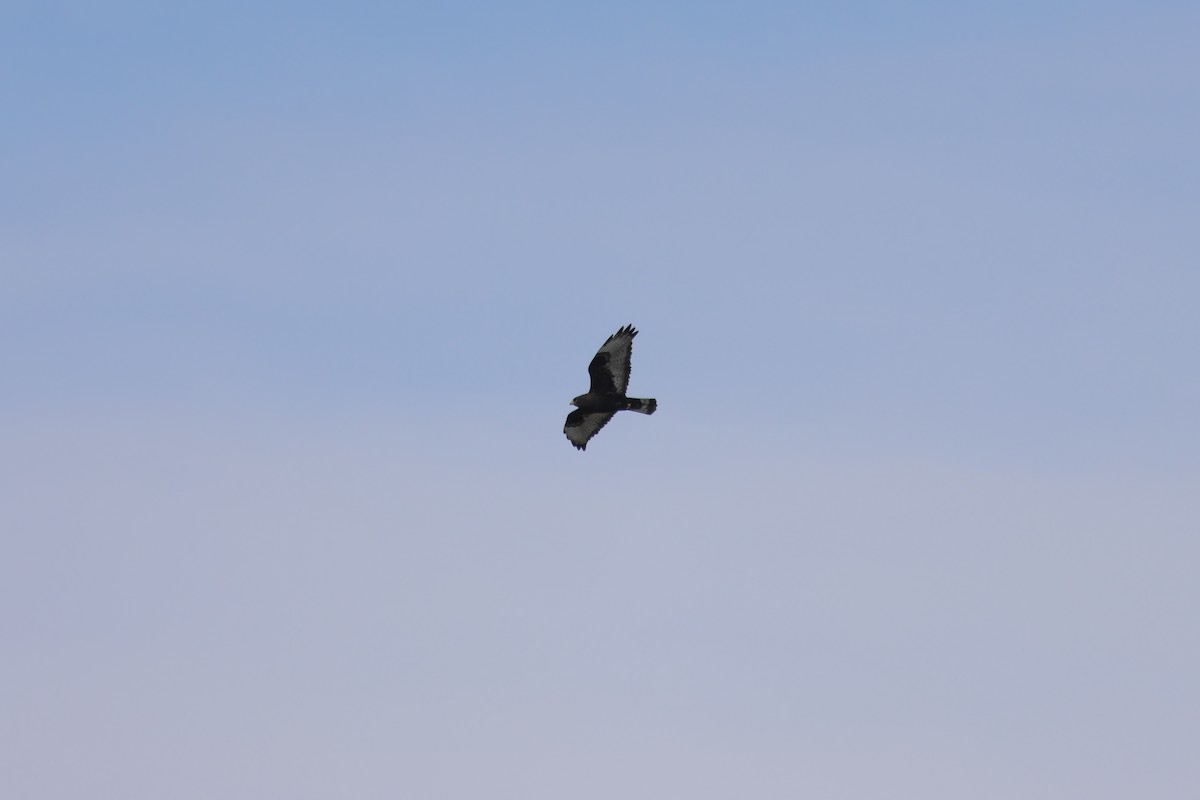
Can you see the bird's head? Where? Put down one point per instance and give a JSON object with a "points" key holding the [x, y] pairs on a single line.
{"points": [[575, 402]]}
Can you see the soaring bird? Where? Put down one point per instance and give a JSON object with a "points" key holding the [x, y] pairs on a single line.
{"points": [[609, 371]]}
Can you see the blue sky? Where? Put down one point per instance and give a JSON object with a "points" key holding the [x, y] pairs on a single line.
{"points": [[294, 300]]}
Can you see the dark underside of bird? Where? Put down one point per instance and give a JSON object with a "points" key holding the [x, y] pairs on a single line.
{"points": [[609, 373]]}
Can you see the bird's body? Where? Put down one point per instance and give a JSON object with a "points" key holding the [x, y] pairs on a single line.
{"points": [[609, 372], [604, 403]]}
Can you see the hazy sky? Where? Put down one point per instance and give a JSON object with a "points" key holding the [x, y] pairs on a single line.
{"points": [[293, 297]]}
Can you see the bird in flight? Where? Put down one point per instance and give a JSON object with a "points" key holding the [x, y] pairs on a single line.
{"points": [[609, 371]]}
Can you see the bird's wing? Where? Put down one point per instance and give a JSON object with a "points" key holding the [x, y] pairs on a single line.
{"points": [[581, 426], [609, 370]]}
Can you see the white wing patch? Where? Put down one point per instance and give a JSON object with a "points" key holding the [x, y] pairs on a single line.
{"points": [[585, 430], [619, 348]]}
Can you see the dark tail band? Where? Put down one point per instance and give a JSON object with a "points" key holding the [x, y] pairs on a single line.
{"points": [[646, 406]]}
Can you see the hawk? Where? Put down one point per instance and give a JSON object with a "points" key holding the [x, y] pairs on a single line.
{"points": [[609, 371]]}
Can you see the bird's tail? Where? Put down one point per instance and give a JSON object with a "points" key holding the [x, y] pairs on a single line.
{"points": [[641, 406]]}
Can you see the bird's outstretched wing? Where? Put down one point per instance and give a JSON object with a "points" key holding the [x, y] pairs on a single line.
{"points": [[609, 369], [582, 426]]}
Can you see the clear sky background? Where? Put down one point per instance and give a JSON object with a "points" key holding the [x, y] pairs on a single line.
{"points": [[293, 297]]}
